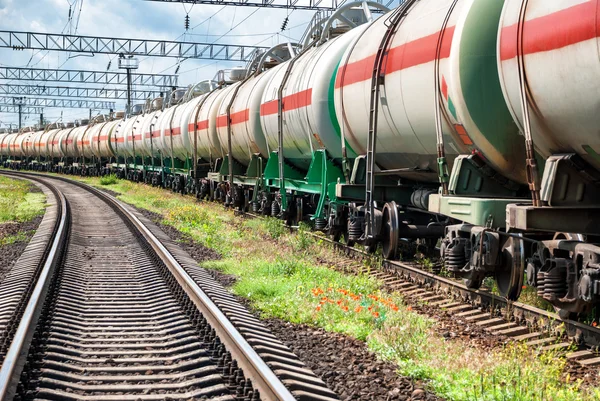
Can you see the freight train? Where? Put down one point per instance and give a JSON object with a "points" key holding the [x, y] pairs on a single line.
{"points": [[468, 126]]}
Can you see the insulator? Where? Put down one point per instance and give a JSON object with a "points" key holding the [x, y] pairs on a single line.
{"points": [[187, 22], [109, 64], [284, 24]]}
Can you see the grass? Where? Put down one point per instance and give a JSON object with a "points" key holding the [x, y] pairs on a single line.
{"points": [[110, 179], [291, 276], [20, 237], [17, 202]]}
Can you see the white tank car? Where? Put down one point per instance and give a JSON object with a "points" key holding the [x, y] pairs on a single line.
{"points": [[125, 137], [406, 137], [163, 123], [80, 138], [247, 137], [309, 119], [4, 141], [561, 52], [208, 144], [64, 137], [27, 144], [54, 150], [100, 139], [151, 133], [182, 140], [105, 147], [72, 141], [117, 139]]}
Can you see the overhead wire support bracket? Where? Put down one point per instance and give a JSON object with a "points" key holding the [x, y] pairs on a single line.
{"points": [[86, 76], [76, 92], [126, 46], [61, 103], [10, 108]]}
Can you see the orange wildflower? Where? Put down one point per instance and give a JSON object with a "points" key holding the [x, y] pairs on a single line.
{"points": [[358, 309], [395, 308], [595, 324], [376, 314], [345, 308], [318, 308]]}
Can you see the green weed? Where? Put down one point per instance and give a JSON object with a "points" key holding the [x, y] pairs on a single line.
{"points": [[110, 179]]}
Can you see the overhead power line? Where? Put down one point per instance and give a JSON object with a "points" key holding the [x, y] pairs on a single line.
{"points": [[137, 47]]}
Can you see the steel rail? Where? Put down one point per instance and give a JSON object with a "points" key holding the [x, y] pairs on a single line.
{"points": [[254, 367], [13, 364]]}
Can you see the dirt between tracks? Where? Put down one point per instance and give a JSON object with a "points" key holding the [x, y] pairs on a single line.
{"points": [[10, 253]]}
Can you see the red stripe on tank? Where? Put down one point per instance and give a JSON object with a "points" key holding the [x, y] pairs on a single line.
{"points": [[553, 31], [410, 54], [236, 118], [290, 102], [201, 125], [103, 137]]}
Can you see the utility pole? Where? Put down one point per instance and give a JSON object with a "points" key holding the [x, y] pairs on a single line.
{"points": [[42, 120], [90, 115], [128, 63]]}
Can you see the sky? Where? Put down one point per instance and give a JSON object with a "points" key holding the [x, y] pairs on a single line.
{"points": [[137, 19]]}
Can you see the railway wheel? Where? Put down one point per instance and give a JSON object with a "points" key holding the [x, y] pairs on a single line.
{"points": [[389, 230], [509, 278]]}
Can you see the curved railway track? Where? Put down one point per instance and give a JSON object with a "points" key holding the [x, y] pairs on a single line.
{"points": [[115, 311]]}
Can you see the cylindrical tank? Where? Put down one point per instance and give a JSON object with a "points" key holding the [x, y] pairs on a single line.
{"points": [[309, 118], [473, 107], [54, 144], [162, 141], [125, 134], [561, 53], [150, 133], [247, 137], [182, 146], [27, 144], [208, 145], [5, 139], [71, 145], [102, 147], [117, 138]]}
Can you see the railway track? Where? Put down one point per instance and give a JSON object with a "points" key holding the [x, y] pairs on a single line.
{"points": [[535, 327], [117, 312]]}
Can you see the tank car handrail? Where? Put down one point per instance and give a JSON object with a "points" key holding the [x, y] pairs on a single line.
{"points": [[443, 173], [292, 50], [339, 15]]}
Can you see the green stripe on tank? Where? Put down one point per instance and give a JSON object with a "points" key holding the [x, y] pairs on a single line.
{"points": [[452, 108], [591, 152], [331, 108], [479, 78]]}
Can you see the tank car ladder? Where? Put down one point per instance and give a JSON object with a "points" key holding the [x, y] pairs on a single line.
{"points": [[377, 80]]}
